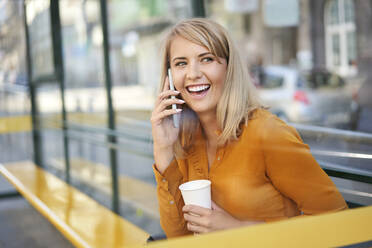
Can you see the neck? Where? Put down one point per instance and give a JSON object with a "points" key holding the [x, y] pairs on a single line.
{"points": [[210, 126]]}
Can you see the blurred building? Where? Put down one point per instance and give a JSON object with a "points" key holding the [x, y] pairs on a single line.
{"points": [[340, 33], [12, 43], [330, 34]]}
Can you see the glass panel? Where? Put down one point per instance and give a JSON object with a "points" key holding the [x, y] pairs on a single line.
{"points": [[336, 49], [15, 122], [351, 48], [333, 13], [38, 20], [90, 165], [50, 105], [83, 59], [349, 11], [86, 97], [136, 31]]}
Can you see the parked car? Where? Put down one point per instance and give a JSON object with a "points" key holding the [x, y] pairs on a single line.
{"points": [[315, 97]]}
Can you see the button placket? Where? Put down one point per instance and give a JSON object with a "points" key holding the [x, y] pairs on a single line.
{"points": [[164, 183], [219, 156]]}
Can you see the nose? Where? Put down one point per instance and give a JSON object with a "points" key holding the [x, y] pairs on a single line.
{"points": [[193, 71]]}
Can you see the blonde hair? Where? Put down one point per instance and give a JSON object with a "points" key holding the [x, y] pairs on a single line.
{"points": [[239, 97]]}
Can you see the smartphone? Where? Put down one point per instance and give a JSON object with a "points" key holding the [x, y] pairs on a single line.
{"points": [[176, 117]]}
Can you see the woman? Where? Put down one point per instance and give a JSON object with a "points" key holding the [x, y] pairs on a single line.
{"points": [[259, 167]]}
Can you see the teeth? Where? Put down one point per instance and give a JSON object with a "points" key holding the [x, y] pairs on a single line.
{"points": [[198, 88]]}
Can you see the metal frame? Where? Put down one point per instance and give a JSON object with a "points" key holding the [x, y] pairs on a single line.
{"points": [[57, 76], [59, 73], [34, 107], [198, 8], [9, 194], [349, 136], [111, 114], [334, 170]]}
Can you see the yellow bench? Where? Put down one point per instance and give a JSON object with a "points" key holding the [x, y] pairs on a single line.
{"points": [[139, 194], [79, 218], [345, 229]]}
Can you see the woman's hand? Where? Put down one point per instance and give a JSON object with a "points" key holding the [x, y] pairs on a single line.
{"points": [[164, 134], [203, 220]]}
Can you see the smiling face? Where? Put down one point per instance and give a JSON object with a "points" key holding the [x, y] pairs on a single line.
{"points": [[197, 74]]}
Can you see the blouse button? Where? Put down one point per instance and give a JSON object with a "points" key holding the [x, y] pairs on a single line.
{"points": [[171, 202], [218, 158], [163, 180]]}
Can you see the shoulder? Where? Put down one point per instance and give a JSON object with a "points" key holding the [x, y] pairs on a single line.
{"points": [[261, 120], [267, 127]]}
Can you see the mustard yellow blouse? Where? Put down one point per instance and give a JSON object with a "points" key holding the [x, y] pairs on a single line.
{"points": [[268, 174]]}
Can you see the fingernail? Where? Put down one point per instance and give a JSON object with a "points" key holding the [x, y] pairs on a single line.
{"points": [[178, 110], [176, 91], [181, 101]]}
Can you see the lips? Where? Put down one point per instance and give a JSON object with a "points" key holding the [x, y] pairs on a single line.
{"points": [[198, 89]]}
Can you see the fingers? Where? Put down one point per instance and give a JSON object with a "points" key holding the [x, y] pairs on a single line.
{"points": [[164, 100], [196, 210], [197, 215], [195, 228], [162, 110], [165, 95], [166, 92], [168, 102], [166, 88], [192, 218], [199, 220], [163, 114]]}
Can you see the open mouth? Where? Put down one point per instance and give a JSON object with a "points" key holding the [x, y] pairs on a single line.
{"points": [[198, 89]]}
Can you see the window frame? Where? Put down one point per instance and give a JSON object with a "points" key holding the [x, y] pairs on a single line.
{"points": [[342, 29]]}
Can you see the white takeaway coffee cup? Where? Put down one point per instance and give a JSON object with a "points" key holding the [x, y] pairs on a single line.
{"points": [[197, 192]]}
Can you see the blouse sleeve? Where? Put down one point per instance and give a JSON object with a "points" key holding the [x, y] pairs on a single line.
{"points": [[170, 200], [294, 171]]}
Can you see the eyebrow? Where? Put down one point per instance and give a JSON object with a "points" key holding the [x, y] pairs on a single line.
{"points": [[200, 55]]}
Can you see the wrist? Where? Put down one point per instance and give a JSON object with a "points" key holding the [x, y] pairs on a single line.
{"points": [[162, 160], [158, 146], [161, 167], [243, 223]]}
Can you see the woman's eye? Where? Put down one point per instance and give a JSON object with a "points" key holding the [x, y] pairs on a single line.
{"points": [[207, 59], [181, 63]]}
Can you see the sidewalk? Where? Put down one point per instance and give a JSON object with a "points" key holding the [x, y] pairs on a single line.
{"points": [[23, 226]]}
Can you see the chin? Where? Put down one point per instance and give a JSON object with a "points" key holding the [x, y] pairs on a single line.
{"points": [[202, 110]]}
